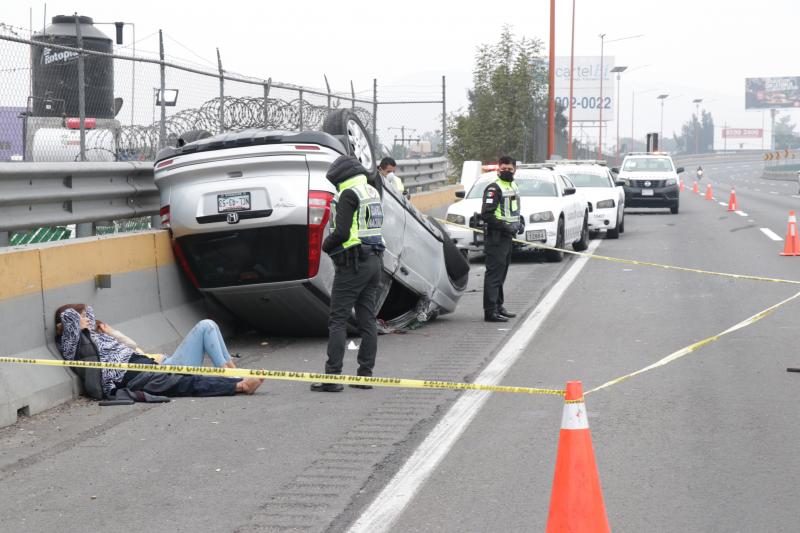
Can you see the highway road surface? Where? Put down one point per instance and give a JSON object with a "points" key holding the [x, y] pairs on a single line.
{"points": [[705, 443]]}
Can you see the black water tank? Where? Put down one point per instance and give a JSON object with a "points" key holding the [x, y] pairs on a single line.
{"points": [[55, 71]]}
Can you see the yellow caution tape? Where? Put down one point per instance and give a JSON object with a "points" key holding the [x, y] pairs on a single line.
{"points": [[697, 345], [635, 262], [285, 376]]}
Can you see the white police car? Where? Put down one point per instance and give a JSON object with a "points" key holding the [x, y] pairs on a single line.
{"points": [[604, 195]]}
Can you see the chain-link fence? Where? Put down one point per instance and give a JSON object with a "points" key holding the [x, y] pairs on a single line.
{"points": [[69, 94]]}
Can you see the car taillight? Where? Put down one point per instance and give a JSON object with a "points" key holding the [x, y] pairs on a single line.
{"points": [[319, 212], [163, 164], [164, 213], [179, 255]]}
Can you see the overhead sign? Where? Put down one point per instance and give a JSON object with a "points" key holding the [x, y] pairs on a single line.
{"points": [[772, 93], [586, 98], [742, 133]]}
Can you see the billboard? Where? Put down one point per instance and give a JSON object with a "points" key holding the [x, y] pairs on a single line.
{"points": [[772, 93], [586, 100], [742, 133]]}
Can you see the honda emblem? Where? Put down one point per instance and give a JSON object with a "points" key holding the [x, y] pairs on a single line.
{"points": [[233, 218], [646, 184]]}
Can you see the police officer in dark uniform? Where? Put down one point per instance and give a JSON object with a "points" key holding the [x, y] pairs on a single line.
{"points": [[500, 212], [355, 246]]}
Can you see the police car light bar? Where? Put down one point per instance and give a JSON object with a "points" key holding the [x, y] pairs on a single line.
{"points": [[600, 162]]}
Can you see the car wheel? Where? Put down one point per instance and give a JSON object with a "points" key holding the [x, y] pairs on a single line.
{"points": [[192, 136], [674, 209], [346, 125], [555, 256], [583, 243], [455, 262], [622, 223]]}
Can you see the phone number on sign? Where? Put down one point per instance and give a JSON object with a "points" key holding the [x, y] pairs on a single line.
{"points": [[585, 102]]}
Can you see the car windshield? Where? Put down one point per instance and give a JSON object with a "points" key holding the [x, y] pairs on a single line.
{"points": [[477, 190], [586, 179], [536, 186], [647, 164]]}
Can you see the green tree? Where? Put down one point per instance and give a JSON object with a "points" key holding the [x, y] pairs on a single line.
{"points": [[784, 134], [696, 134], [507, 101]]}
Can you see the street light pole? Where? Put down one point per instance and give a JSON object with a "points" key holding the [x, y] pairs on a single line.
{"points": [[600, 128], [618, 70], [571, 82], [551, 111], [661, 97], [696, 102]]}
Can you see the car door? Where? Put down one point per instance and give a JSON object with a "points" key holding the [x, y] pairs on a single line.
{"points": [[570, 210]]}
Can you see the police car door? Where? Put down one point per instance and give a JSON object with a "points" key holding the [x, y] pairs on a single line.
{"points": [[570, 211]]}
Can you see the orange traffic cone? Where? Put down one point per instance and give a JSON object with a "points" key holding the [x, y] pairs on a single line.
{"points": [[683, 186], [696, 188], [733, 205], [576, 503], [709, 194], [792, 246]]}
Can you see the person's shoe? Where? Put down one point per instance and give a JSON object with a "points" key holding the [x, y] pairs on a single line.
{"points": [[494, 317], [358, 386], [506, 313], [327, 387]]}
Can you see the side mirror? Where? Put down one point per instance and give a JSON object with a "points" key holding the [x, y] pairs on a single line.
{"points": [[680, 170], [619, 183], [569, 190], [461, 194], [615, 170]]}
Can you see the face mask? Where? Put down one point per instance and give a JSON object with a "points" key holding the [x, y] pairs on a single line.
{"points": [[507, 175]]}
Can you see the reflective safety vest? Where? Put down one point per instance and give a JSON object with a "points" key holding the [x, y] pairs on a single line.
{"points": [[508, 209], [368, 219]]}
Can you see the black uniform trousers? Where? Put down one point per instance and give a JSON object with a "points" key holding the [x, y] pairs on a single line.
{"points": [[355, 284], [497, 248]]}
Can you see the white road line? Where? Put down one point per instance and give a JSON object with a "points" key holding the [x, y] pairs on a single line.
{"points": [[796, 196], [773, 192], [392, 500], [757, 190], [723, 204], [741, 213], [771, 234]]}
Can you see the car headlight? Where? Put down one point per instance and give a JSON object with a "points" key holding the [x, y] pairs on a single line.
{"points": [[544, 216], [625, 181], [605, 204], [670, 181], [456, 219]]}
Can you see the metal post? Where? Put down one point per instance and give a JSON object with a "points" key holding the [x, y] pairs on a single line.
{"points": [[162, 131], [221, 93], [619, 85], [551, 98], [300, 106], [602, 75], [375, 111], [353, 93], [444, 120], [81, 89], [328, 90], [267, 87], [5, 238], [772, 112], [133, 77], [155, 221], [571, 82], [633, 139], [84, 229]]}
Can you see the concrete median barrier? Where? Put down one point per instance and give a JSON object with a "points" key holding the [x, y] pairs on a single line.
{"points": [[148, 299]]}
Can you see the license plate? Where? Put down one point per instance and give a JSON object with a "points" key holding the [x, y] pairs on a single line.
{"points": [[536, 235], [234, 201], [647, 192]]}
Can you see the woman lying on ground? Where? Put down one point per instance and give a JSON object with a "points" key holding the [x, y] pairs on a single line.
{"points": [[114, 347]]}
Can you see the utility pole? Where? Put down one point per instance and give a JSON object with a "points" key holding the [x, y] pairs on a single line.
{"points": [[696, 102], [551, 108], [600, 129]]}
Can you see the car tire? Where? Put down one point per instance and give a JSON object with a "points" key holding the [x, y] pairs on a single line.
{"points": [[455, 262], [555, 256], [192, 136], [345, 124], [583, 243], [674, 209], [622, 223], [612, 233]]}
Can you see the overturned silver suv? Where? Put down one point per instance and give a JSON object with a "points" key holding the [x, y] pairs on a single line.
{"points": [[248, 212]]}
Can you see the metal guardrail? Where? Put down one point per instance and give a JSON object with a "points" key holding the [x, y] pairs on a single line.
{"points": [[33, 195], [36, 195], [422, 174]]}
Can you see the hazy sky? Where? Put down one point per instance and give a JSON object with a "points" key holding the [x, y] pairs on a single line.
{"points": [[694, 49]]}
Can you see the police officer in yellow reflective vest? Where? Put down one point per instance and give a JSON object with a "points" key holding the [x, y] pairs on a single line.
{"points": [[500, 212], [355, 246]]}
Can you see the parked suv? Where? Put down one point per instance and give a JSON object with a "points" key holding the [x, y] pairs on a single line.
{"points": [[650, 179]]}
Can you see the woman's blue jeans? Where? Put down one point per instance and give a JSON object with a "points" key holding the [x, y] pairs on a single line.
{"points": [[205, 338]]}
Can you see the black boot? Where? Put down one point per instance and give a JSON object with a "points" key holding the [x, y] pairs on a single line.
{"points": [[494, 316], [327, 387], [506, 313]]}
